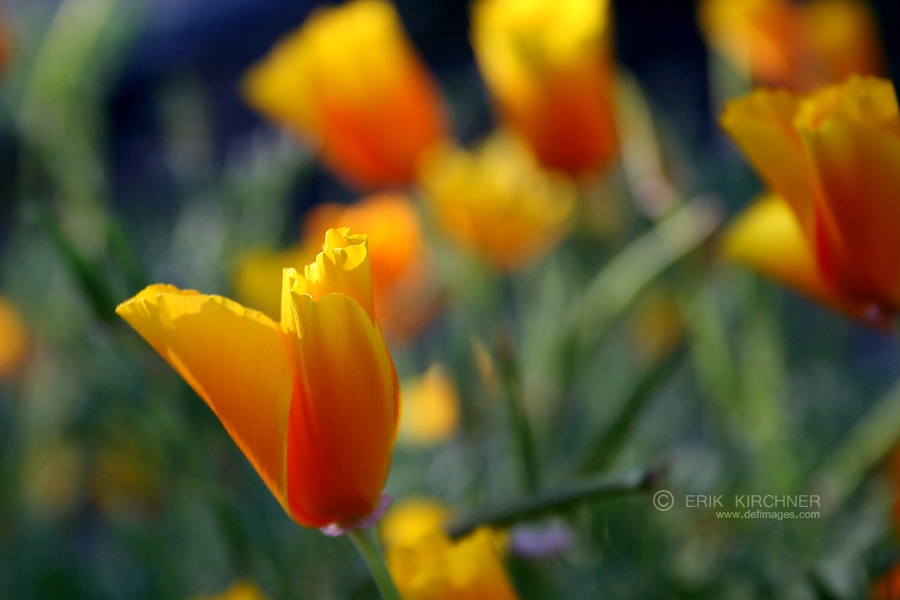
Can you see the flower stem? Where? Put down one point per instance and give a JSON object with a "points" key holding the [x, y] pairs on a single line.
{"points": [[517, 413], [611, 442], [367, 544], [553, 500], [863, 446]]}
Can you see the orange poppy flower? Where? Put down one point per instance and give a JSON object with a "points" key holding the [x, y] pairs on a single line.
{"points": [[313, 401], [548, 65], [350, 82], [832, 159], [797, 45]]}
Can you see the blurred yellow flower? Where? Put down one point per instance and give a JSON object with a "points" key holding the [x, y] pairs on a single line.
{"points": [[497, 201], [13, 339], [349, 81], [241, 590], [313, 401], [400, 260], [427, 565], [548, 65], [832, 159], [797, 45], [656, 326], [430, 408]]}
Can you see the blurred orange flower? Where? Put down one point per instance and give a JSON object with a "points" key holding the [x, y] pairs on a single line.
{"points": [[313, 401], [832, 160], [427, 565], [887, 587], [7, 47], [797, 45], [497, 201], [13, 339], [349, 81], [401, 261], [548, 65]]}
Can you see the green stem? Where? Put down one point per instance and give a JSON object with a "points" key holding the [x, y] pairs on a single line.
{"points": [[86, 272], [367, 544], [711, 354], [868, 442], [623, 279], [620, 283], [536, 505], [521, 425], [612, 441], [642, 160]]}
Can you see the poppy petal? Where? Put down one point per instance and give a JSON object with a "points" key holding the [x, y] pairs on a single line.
{"points": [[762, 124], [342, 267], [343, 420], [768, 238], [853, 135], [235, 358]]}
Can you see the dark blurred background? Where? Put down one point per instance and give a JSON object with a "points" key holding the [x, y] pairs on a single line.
{"points": [[212, 42], [205, 46]]}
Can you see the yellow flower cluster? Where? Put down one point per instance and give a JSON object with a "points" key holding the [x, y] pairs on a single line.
{"points": [[349, 83], [313, 399], [303, 380]]}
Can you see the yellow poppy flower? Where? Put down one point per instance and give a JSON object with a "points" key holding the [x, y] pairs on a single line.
{"points": [[497, 201], [797, 45], [427, 565], [350, 82], [833, 160], [548, 65], [313, 401]]}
